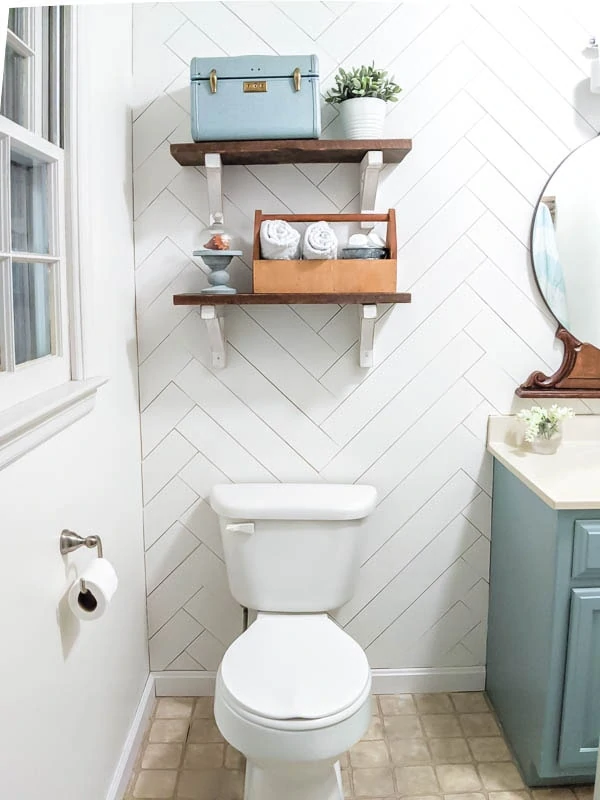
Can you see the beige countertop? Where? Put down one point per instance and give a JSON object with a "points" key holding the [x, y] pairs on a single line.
{"points": [[567, 479]]}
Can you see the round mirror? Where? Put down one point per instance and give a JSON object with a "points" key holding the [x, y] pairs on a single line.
{"points": [[565, 243]]}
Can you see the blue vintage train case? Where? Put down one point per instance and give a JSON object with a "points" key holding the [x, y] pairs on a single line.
{"points": [[255, 97]]}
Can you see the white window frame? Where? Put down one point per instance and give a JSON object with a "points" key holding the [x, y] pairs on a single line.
{"points": [[50, 393]]}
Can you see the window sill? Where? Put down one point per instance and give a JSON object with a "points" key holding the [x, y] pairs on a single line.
{"points": [[36, 420]]}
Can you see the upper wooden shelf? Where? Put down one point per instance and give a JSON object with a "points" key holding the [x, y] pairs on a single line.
{"points": [[284, 299], [291, 151]]}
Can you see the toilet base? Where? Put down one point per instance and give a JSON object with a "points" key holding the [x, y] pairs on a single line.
{"points": [[307, 781]]}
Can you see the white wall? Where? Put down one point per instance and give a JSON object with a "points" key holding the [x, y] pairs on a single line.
{"points": [[69, 691], [494, 97]]}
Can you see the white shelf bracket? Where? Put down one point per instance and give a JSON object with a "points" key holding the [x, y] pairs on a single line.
{"points": [[370, 169], [368, 316], [214, 175], [215, 328]]}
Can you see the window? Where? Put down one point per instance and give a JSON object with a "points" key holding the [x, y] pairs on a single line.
{"points": [[34, 312], [43, 386]]}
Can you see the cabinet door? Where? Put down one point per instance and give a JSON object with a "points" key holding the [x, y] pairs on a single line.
{"points": [[581, 699]]}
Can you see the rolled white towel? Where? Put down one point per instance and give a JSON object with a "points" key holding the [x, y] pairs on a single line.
{"points": [[278, 240], [320, 242]]}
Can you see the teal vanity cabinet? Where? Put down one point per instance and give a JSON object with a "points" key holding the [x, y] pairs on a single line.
{"points": [[543, 659]]}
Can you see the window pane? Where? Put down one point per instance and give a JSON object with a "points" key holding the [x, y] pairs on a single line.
{"points": [[28, 203], [17, 22], [32, 302], [14, 88], [53, 60]]}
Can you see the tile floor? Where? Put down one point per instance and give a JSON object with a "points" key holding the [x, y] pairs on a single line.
{"points": [[425, 746]]}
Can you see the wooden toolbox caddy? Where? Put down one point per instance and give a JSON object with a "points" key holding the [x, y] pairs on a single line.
{"points": [[330, 276]]}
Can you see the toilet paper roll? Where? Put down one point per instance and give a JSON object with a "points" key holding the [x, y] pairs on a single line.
{"points": [[101, 583]]}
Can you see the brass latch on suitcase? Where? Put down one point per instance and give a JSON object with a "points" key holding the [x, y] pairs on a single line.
{"points": [[255, 86], [297, 79], [212, 79]]}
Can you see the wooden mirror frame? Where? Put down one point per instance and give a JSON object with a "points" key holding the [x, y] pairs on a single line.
{"points": [[579, 373], [577, 376]]}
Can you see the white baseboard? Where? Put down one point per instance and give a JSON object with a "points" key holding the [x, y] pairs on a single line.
{"points": [[431, 679], [385, 681], [133, 742]]}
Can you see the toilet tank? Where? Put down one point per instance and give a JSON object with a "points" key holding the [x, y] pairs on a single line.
{"points": [[292, 547]]}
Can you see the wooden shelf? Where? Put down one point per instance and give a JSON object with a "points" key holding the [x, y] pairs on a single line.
{"points": [[291, 151], [369, 298]]}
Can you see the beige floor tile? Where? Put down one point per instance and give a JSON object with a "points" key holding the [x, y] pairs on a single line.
{"points": [[502, 777], [479, 725], [458, 778], [232, 785], [345, 761], [375, 729], [233, 758], [509, 796], [402, 727], [470, 702], [204, 730], [584, 792], [416, 780], [375, 782], [205, 707], [347, 786], [174, 707], [161, 756], [409, 751], [201, 785], [465, 796], [553, 793], [169, 730], [155, 783], [434, 704], [439, 726], [204, 756], [369, 754], [421, 796], [392, 704], [450, 751], [489, 748]]}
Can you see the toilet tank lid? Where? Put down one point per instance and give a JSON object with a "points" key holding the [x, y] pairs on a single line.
{"points": [[306, 501]]}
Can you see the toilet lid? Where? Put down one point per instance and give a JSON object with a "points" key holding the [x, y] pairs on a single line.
{"points": [[300, 666]]}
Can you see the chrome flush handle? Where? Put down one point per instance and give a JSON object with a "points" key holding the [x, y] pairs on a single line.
{"points": [[240, 527]]}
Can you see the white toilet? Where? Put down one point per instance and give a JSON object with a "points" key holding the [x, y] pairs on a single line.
{"points": [[293, 691]]}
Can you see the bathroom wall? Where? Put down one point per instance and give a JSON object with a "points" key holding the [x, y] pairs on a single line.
{"points": [[69, 689], [494, 97]]}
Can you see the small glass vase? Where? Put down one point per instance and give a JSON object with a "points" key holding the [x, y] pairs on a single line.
{"points": [[546, 445]]}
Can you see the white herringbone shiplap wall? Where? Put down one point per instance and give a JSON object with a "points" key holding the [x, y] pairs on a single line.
{"points": [[494, 97]]}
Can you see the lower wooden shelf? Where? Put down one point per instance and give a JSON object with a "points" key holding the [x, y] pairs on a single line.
{"points": [[283, 299], [211, 311]]}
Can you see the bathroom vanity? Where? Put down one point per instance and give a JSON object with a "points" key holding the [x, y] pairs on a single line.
{"points": [[543, 660]]}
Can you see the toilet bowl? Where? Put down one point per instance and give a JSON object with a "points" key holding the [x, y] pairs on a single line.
{"points": [[293, 690], [293, 694]]}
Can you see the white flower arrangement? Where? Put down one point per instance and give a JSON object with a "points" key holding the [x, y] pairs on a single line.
{"points": [[542, 423]]}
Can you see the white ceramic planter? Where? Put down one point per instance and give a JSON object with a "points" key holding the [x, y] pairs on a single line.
{"points": [[363, 117]]}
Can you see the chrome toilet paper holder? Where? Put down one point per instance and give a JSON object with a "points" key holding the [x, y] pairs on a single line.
{"points": [[70, 541]]}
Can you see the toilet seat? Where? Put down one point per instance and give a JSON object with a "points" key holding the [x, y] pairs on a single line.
{"points": [[294, 672]]}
